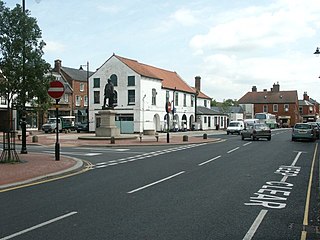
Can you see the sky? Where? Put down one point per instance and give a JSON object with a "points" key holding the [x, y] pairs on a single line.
{"points": [[233, 44]]}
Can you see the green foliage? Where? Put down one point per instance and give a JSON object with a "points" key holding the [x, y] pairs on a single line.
{"points": [[21, 51]]}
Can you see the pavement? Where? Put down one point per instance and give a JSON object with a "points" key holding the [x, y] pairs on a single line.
{"points": [[35, 167]]}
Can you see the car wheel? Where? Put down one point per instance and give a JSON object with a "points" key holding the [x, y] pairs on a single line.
{"points": [[242, 137], [227, 133], [269, 138], [78, 131], [293, 139]]}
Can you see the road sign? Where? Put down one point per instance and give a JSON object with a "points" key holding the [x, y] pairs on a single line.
{"points": [[56, 89], [168, 107]]}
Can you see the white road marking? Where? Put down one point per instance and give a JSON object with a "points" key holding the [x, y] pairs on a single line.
{"points": [[75, 153], [39, 226], [233, 150], [284, 179], [246, 144], [154, 183], [210, 160], [255, 225]]}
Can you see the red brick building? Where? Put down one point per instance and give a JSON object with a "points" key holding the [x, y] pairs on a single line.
{"points": [[283, 104], [308, 108]]}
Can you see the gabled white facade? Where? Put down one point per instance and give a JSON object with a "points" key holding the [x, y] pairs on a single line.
{"points": [[148, 109], [147, 112]]}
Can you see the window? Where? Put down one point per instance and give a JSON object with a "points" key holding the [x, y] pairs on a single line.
{"points": [[192, 100], [176, 99], [114, 79], [184, 100], [131, 97], [154, 96], [3, 101], [96, 97], [265, 108], [81, 87], [205, 119], [66, 97], [300, 110], [205, 103], [96, 82], [78, 101], [286, 107], [85, 101], [275, 107], [131, 81], [167, 96]]}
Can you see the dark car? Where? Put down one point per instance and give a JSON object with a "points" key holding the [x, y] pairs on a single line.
{"points": [[82, 127], [256, 131], [303, 131]]}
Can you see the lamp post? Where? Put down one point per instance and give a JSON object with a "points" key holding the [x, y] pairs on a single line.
{"points": [[87, 110]]}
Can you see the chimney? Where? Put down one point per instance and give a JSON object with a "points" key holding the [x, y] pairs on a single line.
{"points": [[254, 88], [276, 87], [57, 65], [305, 96], [197, 83]]}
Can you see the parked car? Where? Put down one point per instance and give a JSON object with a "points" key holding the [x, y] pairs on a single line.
{"points": [[256, 131], [316, 127], [51, 125], [82, 127], [235, 127], [303, 131]]}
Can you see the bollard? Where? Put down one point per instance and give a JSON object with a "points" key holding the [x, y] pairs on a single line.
{"points": [[157, 136], [34, 139], [185, 138], [112, 140], [205, 136]]}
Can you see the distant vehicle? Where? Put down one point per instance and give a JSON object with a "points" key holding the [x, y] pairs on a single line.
{"points": [[256, 131], [64, 122], [316, 126], [51, 125], [82, 127], [250, 121], [235, 127], [267, 118], [303, 131]]}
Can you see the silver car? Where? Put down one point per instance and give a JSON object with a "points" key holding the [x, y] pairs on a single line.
{"points": [[303, 131], [256, 131]]}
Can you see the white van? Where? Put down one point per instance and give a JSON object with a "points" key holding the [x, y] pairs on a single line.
{"points": [[235, 127]]}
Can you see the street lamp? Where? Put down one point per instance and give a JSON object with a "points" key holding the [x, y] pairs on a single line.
{"points": [[87, 110]]}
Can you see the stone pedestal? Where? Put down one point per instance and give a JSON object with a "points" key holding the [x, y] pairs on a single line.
{"points": [[107, 126]]}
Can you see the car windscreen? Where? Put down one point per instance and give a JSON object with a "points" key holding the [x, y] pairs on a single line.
{"points": [[302, 126], [260, 126], [233, 124]]}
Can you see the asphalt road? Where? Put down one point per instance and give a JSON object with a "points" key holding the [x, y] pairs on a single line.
{"points": [[231, 189]]}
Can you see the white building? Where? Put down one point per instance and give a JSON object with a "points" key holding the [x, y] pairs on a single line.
{"points": [[141, 94]]}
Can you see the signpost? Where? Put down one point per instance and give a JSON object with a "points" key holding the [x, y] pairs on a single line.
{"points": [[168, 110], [56, 90]]}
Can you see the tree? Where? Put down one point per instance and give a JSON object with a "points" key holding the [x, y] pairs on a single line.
{"points": [[21, 63], [21, 51]]}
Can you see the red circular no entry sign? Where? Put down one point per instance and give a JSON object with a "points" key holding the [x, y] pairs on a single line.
{"points": [[56, 89]]}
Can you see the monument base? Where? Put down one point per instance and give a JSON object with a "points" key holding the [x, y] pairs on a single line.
{"points": [[107, 127]]}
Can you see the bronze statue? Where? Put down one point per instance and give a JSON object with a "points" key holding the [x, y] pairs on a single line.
{"points": [[108, 93]]}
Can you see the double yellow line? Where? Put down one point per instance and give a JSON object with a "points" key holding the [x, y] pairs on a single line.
{"points": [[88, 166], [306, 208]]}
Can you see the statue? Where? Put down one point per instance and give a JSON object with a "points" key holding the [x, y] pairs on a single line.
{"points": [[108, 93]]}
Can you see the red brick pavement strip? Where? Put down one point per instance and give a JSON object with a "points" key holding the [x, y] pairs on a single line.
{"points": [[33, 165]]}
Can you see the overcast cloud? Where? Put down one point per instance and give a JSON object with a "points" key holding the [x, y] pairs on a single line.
{"points": [[232, 45]]}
